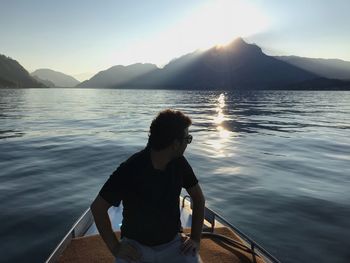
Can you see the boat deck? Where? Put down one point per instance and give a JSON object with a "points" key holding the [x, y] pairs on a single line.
{"points": [[220, 241], [92, 249]]}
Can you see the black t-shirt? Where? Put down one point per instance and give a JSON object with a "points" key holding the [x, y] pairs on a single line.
{"points": [[151, 213]]}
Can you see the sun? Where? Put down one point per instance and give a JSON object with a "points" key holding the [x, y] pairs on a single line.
{"points": [[219, 22], [213, 23]]}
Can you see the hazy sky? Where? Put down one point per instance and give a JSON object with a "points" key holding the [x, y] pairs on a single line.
{"points": [[84, 37]]}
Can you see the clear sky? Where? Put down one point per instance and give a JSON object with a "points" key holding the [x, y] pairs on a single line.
{"points": [[80, 38]]}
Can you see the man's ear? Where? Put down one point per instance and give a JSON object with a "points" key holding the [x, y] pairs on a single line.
{"points": [[176, 144]]}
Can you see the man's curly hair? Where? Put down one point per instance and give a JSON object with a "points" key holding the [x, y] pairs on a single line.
{"points": [[168, 126]]}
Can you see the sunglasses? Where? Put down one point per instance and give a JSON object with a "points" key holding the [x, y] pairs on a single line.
{"points": [[188, 139]]}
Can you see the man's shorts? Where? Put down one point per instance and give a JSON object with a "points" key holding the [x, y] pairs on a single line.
{"points": [[169, 252]]}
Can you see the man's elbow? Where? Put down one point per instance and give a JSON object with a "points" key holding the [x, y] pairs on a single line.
{"points": [[93, 208], [199, 200], [99, 205], [196, 195]]}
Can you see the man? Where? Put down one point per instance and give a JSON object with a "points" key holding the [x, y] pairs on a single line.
{"points": [[149, 183]]}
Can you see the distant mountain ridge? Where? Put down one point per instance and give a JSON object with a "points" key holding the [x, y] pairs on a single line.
{"points": [[59, 79], [236, 66], [13, 75], [47, 83], [321, 84], [329, 68], [117, 75]]}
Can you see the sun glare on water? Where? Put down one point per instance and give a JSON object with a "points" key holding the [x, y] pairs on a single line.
{"points": [[219, 140]]}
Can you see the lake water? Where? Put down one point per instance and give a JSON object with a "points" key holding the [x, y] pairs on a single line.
{"points": [[274, 163]]}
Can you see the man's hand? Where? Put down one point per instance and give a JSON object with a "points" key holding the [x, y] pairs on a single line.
{"points": [[128, 252], [189, 246]]}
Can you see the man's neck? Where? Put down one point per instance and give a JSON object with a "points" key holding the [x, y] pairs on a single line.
{"points": [[160, 159]]}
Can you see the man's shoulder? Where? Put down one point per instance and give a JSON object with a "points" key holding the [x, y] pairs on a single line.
{"points": [[181, 162], [135, 159]]}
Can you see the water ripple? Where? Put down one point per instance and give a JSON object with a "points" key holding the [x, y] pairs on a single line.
{"points": [[275, 163]]}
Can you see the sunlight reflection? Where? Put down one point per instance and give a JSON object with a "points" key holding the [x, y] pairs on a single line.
{"points": [[223, 133], [220, 118], [228, 171], [221, 100], [220, 139]]}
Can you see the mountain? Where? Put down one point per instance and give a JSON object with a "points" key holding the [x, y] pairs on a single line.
{"points": [[13, 75], [320, 84], [48, 76], [329, 68], [47, 83], [7, 84], [236, 66], [117, 75]]}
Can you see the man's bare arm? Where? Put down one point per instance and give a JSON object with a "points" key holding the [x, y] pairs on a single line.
{"points": [[126, 251], [198, 211], [99, 209]]}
